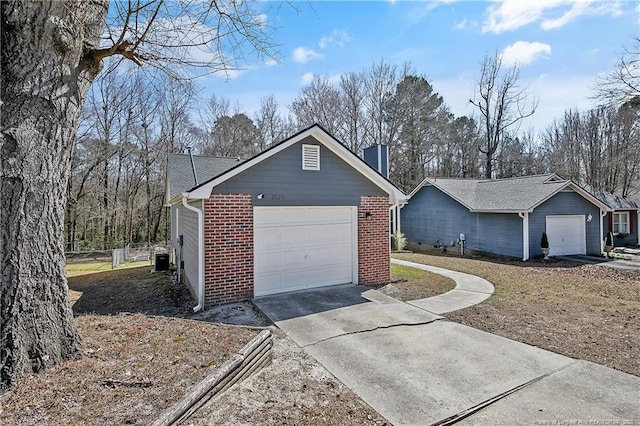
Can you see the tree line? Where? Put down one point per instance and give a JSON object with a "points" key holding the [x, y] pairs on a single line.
{"points": [[132, 120]]}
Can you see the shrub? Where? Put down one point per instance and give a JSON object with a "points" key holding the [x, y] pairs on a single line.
{"points": [[544, 241], [398, 241], [608, 240]]}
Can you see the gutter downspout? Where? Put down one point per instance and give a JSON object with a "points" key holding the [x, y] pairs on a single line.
{"points": [[200, 304], [603, 214], [525, 235], [394, 213], [178, 250]]}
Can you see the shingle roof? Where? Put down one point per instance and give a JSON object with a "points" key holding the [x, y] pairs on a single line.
{"points": [[180, 175], [613, 201], [506, 195]]}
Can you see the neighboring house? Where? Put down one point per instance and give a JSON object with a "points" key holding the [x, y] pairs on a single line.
{"points": [[622, 220], [305, 213], [505, 216]]}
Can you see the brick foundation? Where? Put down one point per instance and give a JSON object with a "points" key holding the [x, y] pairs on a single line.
{"points": [[374, 254], [228, 248]]}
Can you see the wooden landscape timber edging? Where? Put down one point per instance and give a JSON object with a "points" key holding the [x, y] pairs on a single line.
{"points": [[253, 356]]}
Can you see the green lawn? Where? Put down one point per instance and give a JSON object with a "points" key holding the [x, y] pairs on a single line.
{"points": [[79, 268], [412, 284]]}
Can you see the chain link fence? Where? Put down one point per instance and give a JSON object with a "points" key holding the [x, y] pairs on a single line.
{"points": [[127, 255]]}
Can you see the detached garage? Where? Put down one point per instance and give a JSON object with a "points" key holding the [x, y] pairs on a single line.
{"points": [[305, 213]]}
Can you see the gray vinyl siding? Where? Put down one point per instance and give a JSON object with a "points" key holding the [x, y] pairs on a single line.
{"points": [[565, 203], [282, 181], [431, 215], [187, 226], [499, 233]]}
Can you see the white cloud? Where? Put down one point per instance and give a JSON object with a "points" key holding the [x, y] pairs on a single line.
{"points": [[461, 25], [262, 19], [271, 62], [337, 37], [230, 74], [509, 15], [524, 52], [302, 54], [307, 78], [423, 8], [578, 8]]}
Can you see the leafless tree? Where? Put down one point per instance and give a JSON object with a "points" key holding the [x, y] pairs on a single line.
{"points": [[502, 105], [213, 110], [597, 147], [518, 156], [458, 155], [51, 52], [319, 103], [352, 92], [380, 83], [269, 122], [622, 84]]}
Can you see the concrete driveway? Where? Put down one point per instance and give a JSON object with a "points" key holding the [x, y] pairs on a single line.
{"points": [[415, 367]]}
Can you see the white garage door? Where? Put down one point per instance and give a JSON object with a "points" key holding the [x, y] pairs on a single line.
{"points": [[566, 235], [297, 248]]}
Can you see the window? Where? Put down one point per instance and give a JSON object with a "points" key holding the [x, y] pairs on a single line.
{"points": [[621, 223], [310, 157]]}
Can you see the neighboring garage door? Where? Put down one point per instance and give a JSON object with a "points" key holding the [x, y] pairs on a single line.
{"points": [[297, 248], [566, 235]]}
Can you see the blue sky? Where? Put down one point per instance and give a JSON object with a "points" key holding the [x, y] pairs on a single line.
{"points": [[561, 46]]}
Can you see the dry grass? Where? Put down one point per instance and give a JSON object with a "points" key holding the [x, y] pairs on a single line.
{"points": [[134, 367], [412, 284], [82, 268], [588, 312]]}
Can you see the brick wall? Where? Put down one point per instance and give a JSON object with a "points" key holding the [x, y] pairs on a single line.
{"points": [[373, 241], [228, 248]]}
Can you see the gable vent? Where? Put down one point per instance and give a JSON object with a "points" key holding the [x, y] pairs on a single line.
{"points": [[310, 157]]}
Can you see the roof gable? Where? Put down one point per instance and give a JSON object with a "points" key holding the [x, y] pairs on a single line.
{"points": [[321, 136]]}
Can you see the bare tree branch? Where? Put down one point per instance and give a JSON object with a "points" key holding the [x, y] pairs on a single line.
{"points": [[622, 83], [502, 105]]}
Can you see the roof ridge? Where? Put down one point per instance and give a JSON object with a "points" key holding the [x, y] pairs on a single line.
{"points": [[458, 178], [540, 175], [205, 156]]}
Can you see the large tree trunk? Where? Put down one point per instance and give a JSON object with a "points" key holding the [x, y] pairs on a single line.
{"points": [[46, 71]]}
